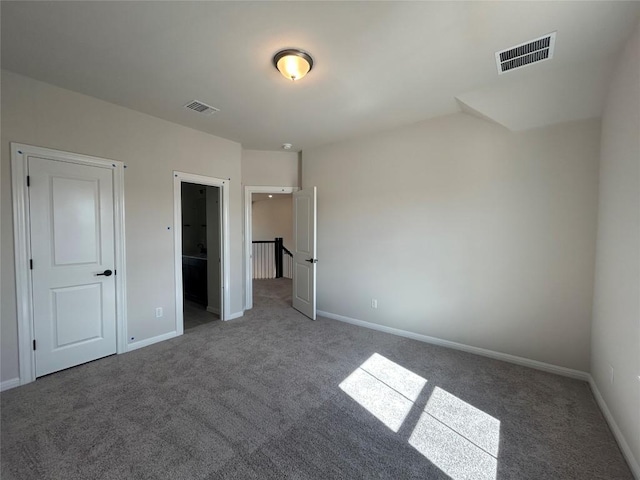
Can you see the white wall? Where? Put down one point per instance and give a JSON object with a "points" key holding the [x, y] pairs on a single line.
{"points": [[616, 311], [40, 114], [264, 168], [463, 231], [273, 218]]}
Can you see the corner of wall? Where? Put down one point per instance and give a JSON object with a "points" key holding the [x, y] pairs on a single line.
{"points": [[615, 356]]}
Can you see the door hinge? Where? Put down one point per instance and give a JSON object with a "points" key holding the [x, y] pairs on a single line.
{"points": [[28, 180], [31, 264], [34, 344]]}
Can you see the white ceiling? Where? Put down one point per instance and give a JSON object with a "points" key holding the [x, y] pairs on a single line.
{"points": [[378, 65]]}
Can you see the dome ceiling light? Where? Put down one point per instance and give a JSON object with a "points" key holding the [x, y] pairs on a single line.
{"points": [[293, 63]]}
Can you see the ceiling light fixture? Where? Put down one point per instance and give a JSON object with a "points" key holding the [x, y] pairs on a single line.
{"points": [[293, 63]]}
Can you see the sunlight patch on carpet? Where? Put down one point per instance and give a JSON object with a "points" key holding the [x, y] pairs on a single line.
{"points": [[384, 389], [458, 438]]}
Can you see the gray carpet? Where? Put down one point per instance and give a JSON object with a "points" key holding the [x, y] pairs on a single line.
{"points": [[274, 395]]}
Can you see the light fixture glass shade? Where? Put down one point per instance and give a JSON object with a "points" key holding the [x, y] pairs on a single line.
{"points": [[293, 64]]}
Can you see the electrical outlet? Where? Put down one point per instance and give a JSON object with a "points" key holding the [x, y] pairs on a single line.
{"points": [[159, 312], [612, 374], [374, 303]]}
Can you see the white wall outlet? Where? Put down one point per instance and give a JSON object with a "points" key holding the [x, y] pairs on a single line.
{"points": [[374, 303], [612, 377], [159, 312]]}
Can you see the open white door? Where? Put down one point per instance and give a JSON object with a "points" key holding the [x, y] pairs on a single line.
{"points": [[304, 254]]}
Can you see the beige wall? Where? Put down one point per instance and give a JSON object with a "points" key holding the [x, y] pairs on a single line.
{"points": [[616, 311], [463, 231], [273, 218], [278, 169], [40, 114]]}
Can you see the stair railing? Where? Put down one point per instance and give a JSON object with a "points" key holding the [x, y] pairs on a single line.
{"points": [[271, 259]]}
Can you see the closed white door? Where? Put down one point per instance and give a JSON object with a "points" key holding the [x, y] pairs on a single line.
{"points": [[304, 254], [73, 271]]}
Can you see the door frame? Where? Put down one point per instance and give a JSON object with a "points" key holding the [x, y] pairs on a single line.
{"points": [[22, 247], [248, 235], [223, 184]]}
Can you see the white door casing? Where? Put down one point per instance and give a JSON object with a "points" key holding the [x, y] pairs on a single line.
{"points": [[70, 222], [304, 254], [225, 293], [72, 245]]}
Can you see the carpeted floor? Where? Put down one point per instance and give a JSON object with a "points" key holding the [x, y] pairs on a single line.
{"points": [[275, 395]]}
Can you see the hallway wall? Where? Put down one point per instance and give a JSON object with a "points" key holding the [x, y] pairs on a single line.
{"points": [[273, 218]]}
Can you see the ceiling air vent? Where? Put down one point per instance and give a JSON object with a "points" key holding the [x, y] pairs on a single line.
{"points": [[527, 53], [200, 107]]}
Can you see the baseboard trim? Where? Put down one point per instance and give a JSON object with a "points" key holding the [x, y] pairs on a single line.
{"points": [[233, 316], [9, 384], [213, 310], [547, 367], [150, 341], [622, 442], [525, 362]]}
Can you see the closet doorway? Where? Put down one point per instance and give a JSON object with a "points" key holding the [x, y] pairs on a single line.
{"points": [[201, 250], [200, 254]]}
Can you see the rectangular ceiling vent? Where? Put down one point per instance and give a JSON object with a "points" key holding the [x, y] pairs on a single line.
{"points": [[525, 54], [200, 107]]}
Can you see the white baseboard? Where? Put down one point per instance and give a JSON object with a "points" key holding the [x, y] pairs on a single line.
{"points": [[233, 316], [622, 442], [547, 367], [150, 341], [7, 384], [213, 310]]}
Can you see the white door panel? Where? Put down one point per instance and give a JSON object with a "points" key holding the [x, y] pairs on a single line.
{"points": [[302, 238], [76, 315], [76, 233], [304, 254], [72, 242]]}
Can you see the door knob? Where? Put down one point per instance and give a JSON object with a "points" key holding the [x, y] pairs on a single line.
{"points": [[311, 260], [106, 273]]}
